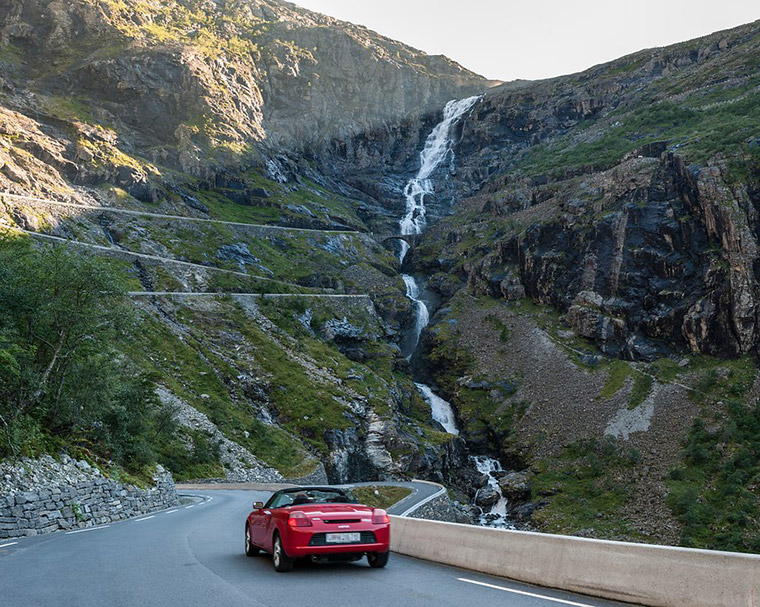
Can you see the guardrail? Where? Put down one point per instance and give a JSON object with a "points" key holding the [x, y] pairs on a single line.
{"points": [[659, 576]]}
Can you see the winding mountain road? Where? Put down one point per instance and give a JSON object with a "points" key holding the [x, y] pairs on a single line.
{"points": [[193, 555]]}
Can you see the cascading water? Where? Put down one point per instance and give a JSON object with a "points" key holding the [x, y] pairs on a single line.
{"points": [[421, 318], [437, 148], [440, 409], [497, 516]]}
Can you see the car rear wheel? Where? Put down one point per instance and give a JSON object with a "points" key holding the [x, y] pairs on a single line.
{"points": [[377, 559], [250, 549], [282, 562]]}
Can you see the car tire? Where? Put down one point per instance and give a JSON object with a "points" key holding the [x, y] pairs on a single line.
{"points": [[250, 549], [377, 559], [282, 562]]}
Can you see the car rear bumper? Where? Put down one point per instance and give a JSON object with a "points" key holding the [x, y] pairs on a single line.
{"points": [[300, 543], [299, 551]]}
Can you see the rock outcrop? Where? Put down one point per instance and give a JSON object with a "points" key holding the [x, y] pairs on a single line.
{"points": [[204, 87], [648, 245]]}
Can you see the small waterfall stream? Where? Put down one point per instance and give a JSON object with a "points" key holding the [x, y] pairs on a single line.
{"points": [[497, 516], [437, 149], [422, 316], [440, 409]]}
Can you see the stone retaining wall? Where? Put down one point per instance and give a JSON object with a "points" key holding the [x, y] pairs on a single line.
{"points": [[42, 496], [443, 508]]}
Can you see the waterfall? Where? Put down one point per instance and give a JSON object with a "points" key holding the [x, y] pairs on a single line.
{"points": [[437, 147], [439, 408], [421, 318]]}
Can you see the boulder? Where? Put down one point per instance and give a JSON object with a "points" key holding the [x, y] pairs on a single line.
{"points": [[486, 497], [515, 486]]}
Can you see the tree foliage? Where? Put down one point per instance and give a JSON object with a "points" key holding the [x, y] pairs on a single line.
{"points": [[61, 379]]}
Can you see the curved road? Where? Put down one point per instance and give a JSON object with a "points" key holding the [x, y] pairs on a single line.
{"points": [[193, 555], [421, 493]]}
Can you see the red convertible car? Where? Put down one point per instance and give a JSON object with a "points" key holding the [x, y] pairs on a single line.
{"points": [[320, 523]]}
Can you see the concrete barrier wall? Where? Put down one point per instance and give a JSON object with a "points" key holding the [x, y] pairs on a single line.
{"points": [[638, 573]]}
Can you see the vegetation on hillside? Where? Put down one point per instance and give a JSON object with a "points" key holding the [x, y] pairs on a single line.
{"points": [[715, 491], [62, 384]]}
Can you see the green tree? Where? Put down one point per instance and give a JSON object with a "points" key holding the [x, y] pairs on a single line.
{"points": [[60, 376]]}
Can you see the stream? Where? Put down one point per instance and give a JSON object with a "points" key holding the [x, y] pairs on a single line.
{"points": [[438, 147]]}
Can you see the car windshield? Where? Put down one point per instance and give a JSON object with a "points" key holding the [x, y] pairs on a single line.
{"points": [[297, 497]]}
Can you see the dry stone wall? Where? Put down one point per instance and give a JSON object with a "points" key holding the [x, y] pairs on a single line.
{"points": [[443, 508], [45, 495]]}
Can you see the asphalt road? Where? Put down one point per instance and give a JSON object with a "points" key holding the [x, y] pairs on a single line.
{"points": [[193, 555]]}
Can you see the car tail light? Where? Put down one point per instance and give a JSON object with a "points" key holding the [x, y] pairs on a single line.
{"points": [[298, 519], [380, 517]]}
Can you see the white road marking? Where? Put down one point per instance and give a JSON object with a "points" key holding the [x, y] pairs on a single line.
{"points": [[521, 592], [145, 518], [421, 503], [188, 507], [88, 529], [8, 544], [170, 512]]}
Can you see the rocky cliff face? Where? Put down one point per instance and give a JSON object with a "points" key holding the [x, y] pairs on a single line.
{"points": [[602, 216], [193, 85], [614, 199]]}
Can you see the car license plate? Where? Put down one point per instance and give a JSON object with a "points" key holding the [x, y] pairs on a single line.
{"points": [[343, 538]]}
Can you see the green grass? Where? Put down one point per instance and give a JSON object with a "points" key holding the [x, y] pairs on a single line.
{"points": [[10, 53], [488, 413], [374, 378], [189, 368], [699, 135], [715, 492], [666, 370], [583, 491], [380, 496], [213, 33], [280, 259], [642, 386], [617, 372], [282, 205], [720, 379]]}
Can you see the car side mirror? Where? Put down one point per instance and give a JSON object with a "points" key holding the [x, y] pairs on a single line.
{"points": [[258, 505]]}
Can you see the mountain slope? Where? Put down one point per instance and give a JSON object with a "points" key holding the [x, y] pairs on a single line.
{"points": [[612, 215], [190, 120], [179, 81]]}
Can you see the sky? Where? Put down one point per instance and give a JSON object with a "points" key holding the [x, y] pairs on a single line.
{"points": [[534, 39]]}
